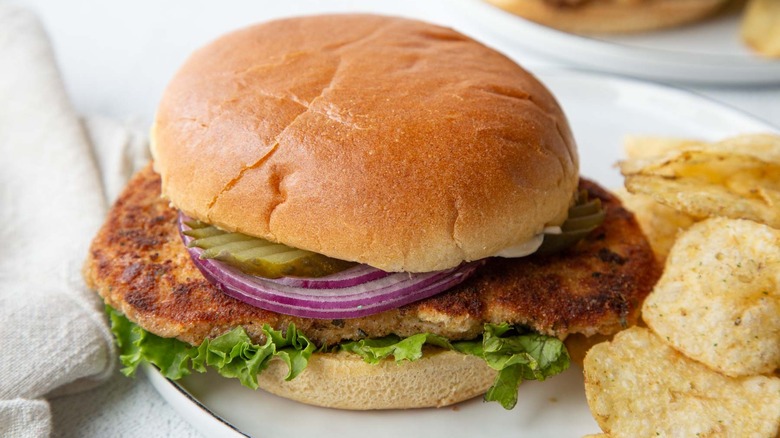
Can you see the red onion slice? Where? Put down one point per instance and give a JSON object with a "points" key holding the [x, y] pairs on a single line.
{"points": [[349, 277], [362, 292]]}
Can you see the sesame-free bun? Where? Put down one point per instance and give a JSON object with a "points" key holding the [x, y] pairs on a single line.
{"points": [[381, 140], [343, 380], [611, 16]]}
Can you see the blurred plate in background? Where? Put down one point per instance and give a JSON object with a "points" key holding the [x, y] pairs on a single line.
{"points": [[707, 52]]}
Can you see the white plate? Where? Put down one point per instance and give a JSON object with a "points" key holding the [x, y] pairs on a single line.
{"points": [[602, 110], [708, 52]]}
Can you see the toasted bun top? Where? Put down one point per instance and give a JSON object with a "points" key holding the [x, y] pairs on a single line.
{"points": [[386, 141]]}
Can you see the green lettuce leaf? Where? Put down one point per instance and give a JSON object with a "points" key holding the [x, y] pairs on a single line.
{"points": [[136, 345], [516, 354], [232, 354], [375, 350]]}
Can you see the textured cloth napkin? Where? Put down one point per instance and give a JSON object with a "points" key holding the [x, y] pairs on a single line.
{"points": [[57, 175]]}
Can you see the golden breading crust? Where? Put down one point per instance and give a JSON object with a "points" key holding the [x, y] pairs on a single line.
{"points": [[139, 265]]}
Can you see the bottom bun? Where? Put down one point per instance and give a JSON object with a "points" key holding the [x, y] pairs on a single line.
{"points": [[612, 16], [343, 380]]}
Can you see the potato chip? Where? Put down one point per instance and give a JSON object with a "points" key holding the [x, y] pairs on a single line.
{"points": [[596, 435], [760, 27], [765, 147], [636, 147], [718, 300], [660, 223], [700, 201], [762, 146], [737, 178], [637, 386]]}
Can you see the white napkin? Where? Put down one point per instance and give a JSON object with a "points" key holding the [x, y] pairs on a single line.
{"points": [[54, 189]]}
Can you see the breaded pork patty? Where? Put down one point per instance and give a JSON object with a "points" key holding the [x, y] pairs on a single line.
{"points": [[140, 266]]}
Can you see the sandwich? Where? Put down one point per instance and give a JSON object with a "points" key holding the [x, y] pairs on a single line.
{"points": [[364, 212], [611, 16]]}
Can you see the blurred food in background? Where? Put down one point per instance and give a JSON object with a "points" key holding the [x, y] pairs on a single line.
{"points": [[760, 28], [611, 16]]}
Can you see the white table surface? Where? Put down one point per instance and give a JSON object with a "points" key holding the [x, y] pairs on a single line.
{"points": [[116, 58]]}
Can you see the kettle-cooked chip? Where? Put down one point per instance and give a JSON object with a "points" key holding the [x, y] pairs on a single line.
{"points": [[707, 200], [764, 147], [660, 223], [737, 178], [637, 147], [718, 300], [761, 146], [637, 386]]}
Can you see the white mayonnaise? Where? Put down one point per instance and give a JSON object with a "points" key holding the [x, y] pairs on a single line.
{"points": [[529, 247]]}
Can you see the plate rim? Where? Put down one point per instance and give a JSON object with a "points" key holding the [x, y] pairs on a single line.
{"points": [[670, 89], [178, 397]]}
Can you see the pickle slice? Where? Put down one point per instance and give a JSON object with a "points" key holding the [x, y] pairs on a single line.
{"points": [[219, 240], [554, 243], [199, 233], [584, 222], [260, 257], [585, 216], [194, 224], [591, 207], [287, 256], [260, 251], [222, 251], [274, 261]]}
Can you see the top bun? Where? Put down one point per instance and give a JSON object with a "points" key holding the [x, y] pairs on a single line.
{"points": [[611, 16], [385, 141]]}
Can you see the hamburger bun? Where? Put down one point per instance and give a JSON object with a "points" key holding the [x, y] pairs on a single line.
{"points": [[297, 131], [386, 141], [611, 16], [344, 381]]}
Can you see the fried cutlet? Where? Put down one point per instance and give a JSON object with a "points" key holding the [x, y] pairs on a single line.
{"points": [[139, 265]]}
